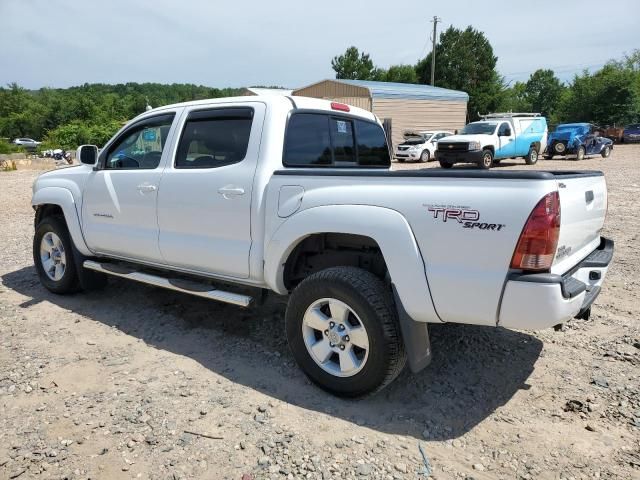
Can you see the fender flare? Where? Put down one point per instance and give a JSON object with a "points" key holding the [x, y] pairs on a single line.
{"points": [[63, 198], [387, 227]]}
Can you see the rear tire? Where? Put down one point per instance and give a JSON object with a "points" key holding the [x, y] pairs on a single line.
{"points": [[606, 151], [532, 156], [53, 256], [487, 160], [360, 302]]}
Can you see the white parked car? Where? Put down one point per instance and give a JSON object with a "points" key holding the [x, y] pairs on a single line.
{"points": [[295, 195], [419, 145]]}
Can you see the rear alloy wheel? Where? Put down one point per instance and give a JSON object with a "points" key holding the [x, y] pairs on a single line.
{"points": [[343, 331], [580, 153], [532, 156], [487, 160], [606, 151], [425, 156]]}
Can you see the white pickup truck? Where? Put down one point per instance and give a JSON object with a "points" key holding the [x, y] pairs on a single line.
{"points": [[295, 195]]}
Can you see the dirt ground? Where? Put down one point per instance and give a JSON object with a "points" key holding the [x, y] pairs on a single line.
{"points": [[139, 382]]}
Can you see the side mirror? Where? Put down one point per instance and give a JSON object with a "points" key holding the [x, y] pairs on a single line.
{"points": [[87, 154]]}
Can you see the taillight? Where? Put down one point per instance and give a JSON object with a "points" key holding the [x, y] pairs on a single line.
{"points": [[539, 238], [343, 107]]}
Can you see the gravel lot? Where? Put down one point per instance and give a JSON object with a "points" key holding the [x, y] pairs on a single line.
{"points": [[138, 382]]}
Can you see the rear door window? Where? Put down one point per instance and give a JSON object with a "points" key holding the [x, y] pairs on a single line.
{"points": [[214, 138], [322, 140]]}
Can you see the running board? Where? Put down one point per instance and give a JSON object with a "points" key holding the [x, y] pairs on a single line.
{"points": [[185, 286]]}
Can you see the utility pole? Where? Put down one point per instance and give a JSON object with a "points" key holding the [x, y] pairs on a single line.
{"points": [[433, 49]]}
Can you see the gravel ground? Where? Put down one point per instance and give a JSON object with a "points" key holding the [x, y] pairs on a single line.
{"points": [[138, 382]]}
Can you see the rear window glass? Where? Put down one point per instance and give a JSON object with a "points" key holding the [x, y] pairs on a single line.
{"points": [[320, 140], [308, 142], [372, 145]]}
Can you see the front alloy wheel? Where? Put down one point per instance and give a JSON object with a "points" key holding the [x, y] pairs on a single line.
{"points": [[53, 256]]}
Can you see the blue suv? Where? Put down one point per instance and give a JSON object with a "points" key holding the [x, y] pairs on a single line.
{"points": [[577, 139]]}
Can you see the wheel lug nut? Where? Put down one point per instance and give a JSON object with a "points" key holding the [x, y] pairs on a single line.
{"points": [[346, 338], [332, 345], [341, 327], [341, 347], [332, 324], [326, 332]]}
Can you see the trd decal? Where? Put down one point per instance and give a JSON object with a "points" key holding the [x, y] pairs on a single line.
{"points": [[465, 216]]}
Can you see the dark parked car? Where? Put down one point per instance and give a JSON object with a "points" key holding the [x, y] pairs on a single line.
{"points": [[577, 139], [632, 133]]}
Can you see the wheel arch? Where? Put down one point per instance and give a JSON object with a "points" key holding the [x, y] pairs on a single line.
{"points": [[56, 200], [383, 228]]}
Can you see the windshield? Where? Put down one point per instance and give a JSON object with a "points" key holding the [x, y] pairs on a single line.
{"points": [[482, 128]]}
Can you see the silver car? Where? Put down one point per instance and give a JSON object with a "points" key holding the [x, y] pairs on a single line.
{"points": [[28, 143]]}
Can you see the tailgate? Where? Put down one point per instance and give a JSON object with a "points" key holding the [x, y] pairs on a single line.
{"points": [[583, 207]]}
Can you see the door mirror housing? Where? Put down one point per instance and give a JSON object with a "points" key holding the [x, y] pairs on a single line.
{"points": [[87, 154]]}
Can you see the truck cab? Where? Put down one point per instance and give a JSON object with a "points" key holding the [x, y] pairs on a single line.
{"points": [[494, 138]]}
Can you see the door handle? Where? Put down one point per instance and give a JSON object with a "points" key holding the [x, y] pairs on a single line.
{"points": [[146, 187], [229, 191]]}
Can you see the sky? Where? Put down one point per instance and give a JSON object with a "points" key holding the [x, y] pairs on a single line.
{"points": [[291, 43]]}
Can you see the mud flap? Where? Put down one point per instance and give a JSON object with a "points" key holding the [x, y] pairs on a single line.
{"points": [[88, 279], [415, 336]]}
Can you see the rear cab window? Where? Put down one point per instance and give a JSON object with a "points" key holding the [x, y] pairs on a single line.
{"points": [[329, 140]]}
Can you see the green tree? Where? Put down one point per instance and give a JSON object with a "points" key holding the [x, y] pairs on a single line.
{"points": [[514, 99], [607, 97], [397, 73], [465, 61], [542, 91], [353, 65]]}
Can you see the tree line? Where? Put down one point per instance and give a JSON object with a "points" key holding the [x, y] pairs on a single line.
{"points": [[465, 61], [91, 113]]}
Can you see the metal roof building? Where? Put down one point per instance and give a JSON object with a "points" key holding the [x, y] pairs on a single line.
{"points": [[401, 106]]}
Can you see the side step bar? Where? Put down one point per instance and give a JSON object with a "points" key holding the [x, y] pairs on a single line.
{"points": [[185, 286]]}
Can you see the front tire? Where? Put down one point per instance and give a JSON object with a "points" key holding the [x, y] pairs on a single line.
{"points": [[425, 156], [445, 164], [532, 156], [53, 256], [580, 153], [343, 331], [487, 160], [606, 151]]}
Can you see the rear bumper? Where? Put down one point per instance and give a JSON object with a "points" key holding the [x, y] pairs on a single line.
{"points": [[470, 156], [542, 300]]}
